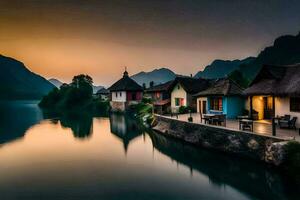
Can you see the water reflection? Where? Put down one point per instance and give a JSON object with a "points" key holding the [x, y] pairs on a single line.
{"points": [[125, 127], [49, 160], [255, 179], [81, 126], [16, 117]]}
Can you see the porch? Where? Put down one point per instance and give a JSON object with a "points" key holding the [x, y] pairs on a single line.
{"points": [[263, 127]]}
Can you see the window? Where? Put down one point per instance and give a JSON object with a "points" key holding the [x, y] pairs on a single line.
{"points": [[133, 96], [116, 94], [295, 104], [178, 87], [120, 94], [179, 101], [216, 103], [157, 95]]}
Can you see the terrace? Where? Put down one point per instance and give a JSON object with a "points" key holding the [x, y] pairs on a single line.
{"points": [[263, 127]]}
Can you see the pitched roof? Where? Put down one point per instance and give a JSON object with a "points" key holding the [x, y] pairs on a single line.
{"points": [[222, 87], [125, 84], [161, 87], [191, 85], [103, 91], [276, 80]]}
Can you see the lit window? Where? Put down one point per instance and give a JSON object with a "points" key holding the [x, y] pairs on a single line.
{"points": [[216, 103], [179, 101]]}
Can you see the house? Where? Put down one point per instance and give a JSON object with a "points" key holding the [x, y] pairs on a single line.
{"points": [[103, 94], [124, 93], [160, 94], [223, 96], [275, 91], [182, 91]]}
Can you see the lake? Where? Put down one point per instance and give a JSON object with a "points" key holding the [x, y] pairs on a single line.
{"points": [[42, 157]]}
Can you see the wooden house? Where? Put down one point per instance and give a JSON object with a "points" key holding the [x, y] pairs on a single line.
{"points": [[161, 97], [275, 92], [224, 96], [182, 91], [124, 93]]}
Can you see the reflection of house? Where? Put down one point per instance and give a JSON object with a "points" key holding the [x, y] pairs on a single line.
{"points": [[124, 128], [275, 91], [223, 96], [160, 94], [103, 94], [125, 92], [183, 89]]}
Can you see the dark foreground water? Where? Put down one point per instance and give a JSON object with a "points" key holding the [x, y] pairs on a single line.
{"points": [[113, 158]]}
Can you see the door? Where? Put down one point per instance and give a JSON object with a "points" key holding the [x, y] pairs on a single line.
{"points": [[204, 107], [268, 108]]}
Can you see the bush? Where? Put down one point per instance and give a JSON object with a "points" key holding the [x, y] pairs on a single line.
{"points": [[185, 109]]}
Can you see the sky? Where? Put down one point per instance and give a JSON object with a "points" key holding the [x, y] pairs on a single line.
{"points": [[63, 38]]}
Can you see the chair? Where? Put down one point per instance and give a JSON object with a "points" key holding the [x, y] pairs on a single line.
{"points": [[219, 120], [287, 123]]}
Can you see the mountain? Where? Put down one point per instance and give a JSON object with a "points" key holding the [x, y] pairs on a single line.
{"points": [[284, 51], [55, 82], [158, 76], [221, 68], [17, 82], [96, 88]]}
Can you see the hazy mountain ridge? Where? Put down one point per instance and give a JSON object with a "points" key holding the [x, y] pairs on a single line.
{"points": [[158, 76], [221, 68], [17, 82]]}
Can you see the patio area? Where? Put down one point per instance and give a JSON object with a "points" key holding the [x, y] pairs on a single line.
{"points": [[263, 127]]}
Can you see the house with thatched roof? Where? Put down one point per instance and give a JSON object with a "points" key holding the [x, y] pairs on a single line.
{"points": [[182, 91], [124, 93], [161, 97], [223, 96], [275, 91]]}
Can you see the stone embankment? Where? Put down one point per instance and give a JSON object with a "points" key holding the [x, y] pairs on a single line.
{"points": [[259, 147]]}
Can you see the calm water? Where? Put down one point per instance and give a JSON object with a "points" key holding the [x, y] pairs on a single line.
{"points": [[113, 158]]}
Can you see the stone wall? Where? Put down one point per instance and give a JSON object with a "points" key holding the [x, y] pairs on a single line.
{"points": [[259, 147], [117, 106]]}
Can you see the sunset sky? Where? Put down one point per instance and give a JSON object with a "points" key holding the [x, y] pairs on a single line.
{"points": [[62, 38]]}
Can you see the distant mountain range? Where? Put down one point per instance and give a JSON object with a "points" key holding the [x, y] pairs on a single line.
{"points": [[58, 83], [17, 82], [221, 68], [158, 76]]}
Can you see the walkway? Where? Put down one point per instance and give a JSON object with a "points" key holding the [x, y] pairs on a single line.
{"points": [[263, 127]]}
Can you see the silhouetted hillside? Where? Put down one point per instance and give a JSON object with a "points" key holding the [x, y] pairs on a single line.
{"points": [[158, 76], [221, 68], [17, 82], [284, 51]]}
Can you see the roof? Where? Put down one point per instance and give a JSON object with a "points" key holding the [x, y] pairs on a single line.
{"points": [[103, 91], [191, 85], [222, 87], [125, 84], [277, 81], [161, 87], [162, 102]]}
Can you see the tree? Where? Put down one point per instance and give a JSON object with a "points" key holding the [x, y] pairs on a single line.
{"points": [[151, 83]]}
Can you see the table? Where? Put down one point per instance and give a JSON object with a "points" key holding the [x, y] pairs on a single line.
{"points": [[246, 123], [208, 118]]}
